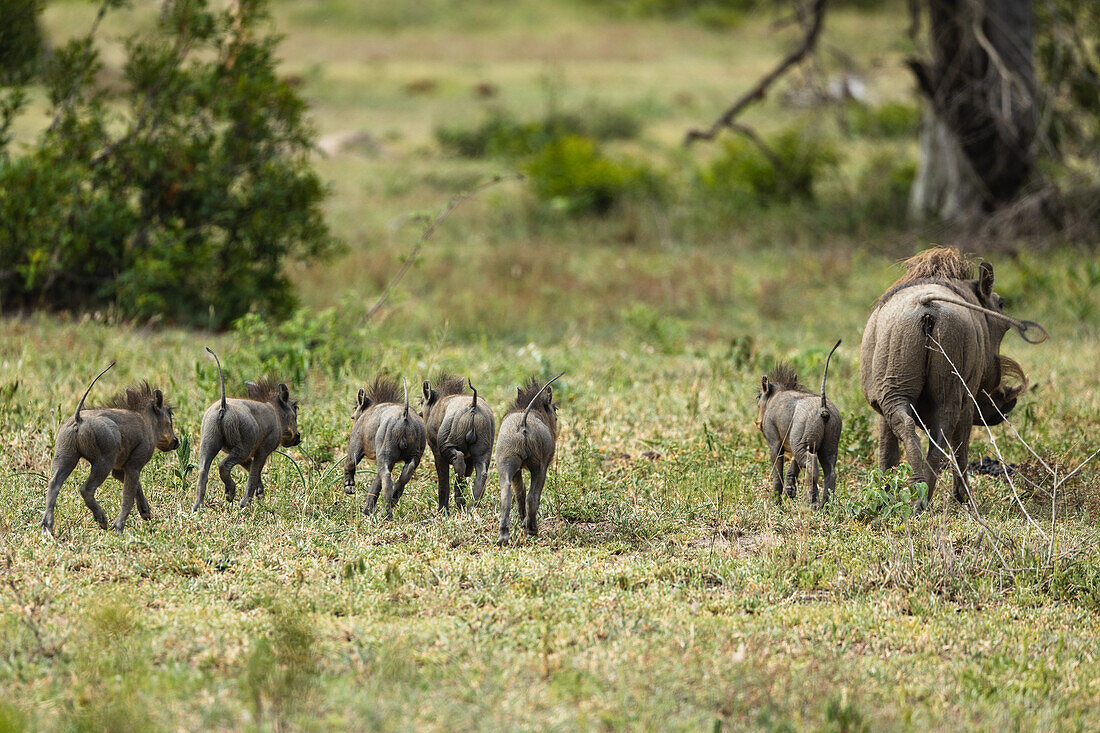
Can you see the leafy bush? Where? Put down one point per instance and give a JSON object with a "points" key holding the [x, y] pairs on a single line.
{"points": [[717, 14], [304, 340], [20, 39], [572, 174], [890, 120], [743, 174], [882, 191], [190, 210], [501, 135]]}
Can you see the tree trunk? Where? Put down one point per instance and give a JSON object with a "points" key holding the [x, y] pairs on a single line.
{"points": [[980, 119]]}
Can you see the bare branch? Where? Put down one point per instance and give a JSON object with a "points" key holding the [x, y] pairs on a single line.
{"points": [[760, 90], [992, 440], [427, 234]]}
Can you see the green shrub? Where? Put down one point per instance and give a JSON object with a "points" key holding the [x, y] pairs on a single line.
{"points": [[191, 208], [890, 120], [327, 339], [716, 14], [501, 135], [20, 39], [572, 174], [743, 174], [881, 196]]}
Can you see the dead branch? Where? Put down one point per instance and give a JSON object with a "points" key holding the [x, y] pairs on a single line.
{"points": [[993, 442], [427, 234], [760, 90]]}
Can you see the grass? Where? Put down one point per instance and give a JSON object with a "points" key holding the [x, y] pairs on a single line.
{"points": [[666, 589]]}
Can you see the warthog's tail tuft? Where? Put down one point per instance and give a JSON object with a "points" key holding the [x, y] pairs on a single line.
{"points": [[76, 417], [473, 405], [406, 383]]}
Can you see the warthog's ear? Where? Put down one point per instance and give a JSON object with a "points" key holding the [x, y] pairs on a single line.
{"points": [[427, 388], [249, 386], [284, 393], [764, 386], [985, 280], [361, 399], [549, 395], [158, 399]]}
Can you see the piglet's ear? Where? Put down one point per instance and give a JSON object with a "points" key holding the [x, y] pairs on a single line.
{"points": [[158, 398], [361, 398], [284, 393]]}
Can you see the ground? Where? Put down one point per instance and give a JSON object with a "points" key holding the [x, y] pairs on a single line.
{"points": [[667, 588]]}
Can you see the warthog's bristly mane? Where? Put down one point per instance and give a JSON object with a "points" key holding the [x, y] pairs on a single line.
{"points": [[938, 262], [135, 398], [785, 377], [262, 390], [526, 394], [385, 389], [935, 266], [448, 384]]}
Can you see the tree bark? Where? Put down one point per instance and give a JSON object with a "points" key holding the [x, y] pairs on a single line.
{"points": [[980, 120]]}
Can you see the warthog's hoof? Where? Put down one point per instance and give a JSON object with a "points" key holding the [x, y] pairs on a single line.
{"points": [[260, 491], [503, 541], [349, 489]]}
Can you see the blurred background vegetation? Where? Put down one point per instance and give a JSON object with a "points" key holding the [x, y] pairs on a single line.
{"points": [[199, 161]]}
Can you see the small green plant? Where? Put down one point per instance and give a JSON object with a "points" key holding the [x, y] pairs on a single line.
{"points": [[885, 495], [184, 466]]}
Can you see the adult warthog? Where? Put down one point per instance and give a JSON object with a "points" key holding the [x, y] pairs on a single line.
{"points": [[930, 356]]}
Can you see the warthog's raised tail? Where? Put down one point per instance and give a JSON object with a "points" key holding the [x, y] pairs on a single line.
{"points": [[524, 423], [1022, 327], [221, 382], [824, 378], [76, 416], [471, 437]]}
